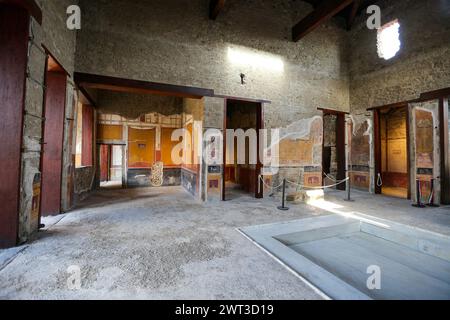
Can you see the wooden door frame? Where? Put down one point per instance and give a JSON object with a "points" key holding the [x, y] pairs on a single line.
{"points": [[377, 144], [108, 160], [44, 123], [259, 126], [41, 160]]}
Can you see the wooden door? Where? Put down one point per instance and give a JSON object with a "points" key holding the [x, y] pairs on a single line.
{"points": [[55, 102]]}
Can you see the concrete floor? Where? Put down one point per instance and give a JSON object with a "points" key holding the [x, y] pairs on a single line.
{"points": [[158, 243]]}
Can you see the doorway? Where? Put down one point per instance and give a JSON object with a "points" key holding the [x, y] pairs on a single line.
{"points": [[111, 166], [242, 163], [392, 152], [333, 148], [53, 132]]}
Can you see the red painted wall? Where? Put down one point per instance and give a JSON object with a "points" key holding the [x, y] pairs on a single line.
{"points": [[14, 23], [53, 147], [104, 159]]}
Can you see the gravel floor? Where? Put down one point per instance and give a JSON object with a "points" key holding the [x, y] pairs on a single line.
{"points": [[161, 244], [153, 244]]}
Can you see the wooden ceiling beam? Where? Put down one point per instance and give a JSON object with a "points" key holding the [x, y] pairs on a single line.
{"points": [[326, 10], [215, 6], [353, 12], [137, 86]]}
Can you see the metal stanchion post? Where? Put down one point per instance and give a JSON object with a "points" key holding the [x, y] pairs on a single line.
{"points": [[283, 207], [349, 186], [431, 200]]}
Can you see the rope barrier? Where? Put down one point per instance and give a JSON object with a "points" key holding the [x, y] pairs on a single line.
{"points": [[319, 188], [330, 177], [300, 185]]}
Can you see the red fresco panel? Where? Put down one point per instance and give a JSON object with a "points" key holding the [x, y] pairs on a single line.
{"points": [[53, 147], [104, 162], [88, 125]]}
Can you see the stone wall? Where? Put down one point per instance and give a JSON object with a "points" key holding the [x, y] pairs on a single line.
{"points": [[84, 182], [131, 106], [175, 42], [421, 65]]}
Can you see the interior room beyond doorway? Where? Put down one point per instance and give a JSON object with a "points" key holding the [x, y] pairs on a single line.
{"points": [[111, 166], [242, 176], [394, 152]]}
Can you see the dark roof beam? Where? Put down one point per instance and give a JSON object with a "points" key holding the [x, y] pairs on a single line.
{"points": [[325, 11]]}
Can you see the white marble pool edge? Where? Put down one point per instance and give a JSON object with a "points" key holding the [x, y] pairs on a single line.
{"points": [[321, 280]]}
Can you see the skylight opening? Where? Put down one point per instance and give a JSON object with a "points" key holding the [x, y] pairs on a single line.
{"points": [[388, 40]]}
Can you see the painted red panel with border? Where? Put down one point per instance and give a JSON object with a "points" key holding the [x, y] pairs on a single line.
{"points": [[53, 147], [88, 126]]}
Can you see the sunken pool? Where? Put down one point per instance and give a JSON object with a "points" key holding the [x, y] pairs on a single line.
{"points": [[361, 258]]}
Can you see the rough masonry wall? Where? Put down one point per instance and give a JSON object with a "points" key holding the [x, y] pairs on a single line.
{"points": [[174, 42], [421, 65], [132, 106], [61, 42]]}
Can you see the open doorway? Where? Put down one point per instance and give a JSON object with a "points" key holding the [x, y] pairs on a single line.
{"points": [[242, 169], [392, 152], [53, 132], [111, 166], [333, 148]]}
